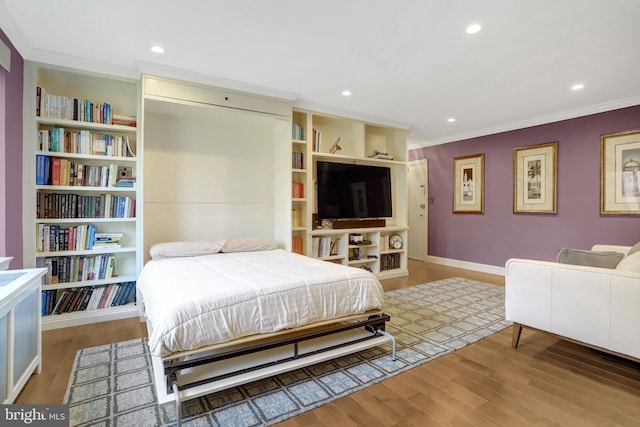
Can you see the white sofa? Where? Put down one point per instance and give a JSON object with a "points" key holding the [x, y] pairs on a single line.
{"points": [[598, 307]]}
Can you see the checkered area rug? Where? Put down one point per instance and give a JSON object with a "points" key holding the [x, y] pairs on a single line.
{"points": [[112, 385]]}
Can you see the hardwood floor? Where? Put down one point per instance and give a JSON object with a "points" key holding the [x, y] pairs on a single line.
{"points": [[546, 381]]}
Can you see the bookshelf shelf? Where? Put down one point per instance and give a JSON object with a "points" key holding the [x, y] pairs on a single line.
{"points": [[76, 124], [60, 149], [82, 220], [86, 252], [97, 282], [118, 159], [76, 318], [53, 188]]}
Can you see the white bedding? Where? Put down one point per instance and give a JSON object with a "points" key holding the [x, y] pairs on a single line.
{"points": [[197, 301]]}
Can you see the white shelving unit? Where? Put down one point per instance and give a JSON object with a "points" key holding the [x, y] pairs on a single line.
{"points": [[360, 143], [58, 207]]}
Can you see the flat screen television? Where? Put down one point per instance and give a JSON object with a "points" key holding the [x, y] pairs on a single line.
{"points": [[349, 191]]}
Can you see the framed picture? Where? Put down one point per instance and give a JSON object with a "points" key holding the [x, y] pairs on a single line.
{"points": [[620, 173], [534, 182], [468, 179]]}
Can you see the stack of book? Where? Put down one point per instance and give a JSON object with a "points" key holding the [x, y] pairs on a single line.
{"points": [[125, 181], [107, 240], [119, 119]]}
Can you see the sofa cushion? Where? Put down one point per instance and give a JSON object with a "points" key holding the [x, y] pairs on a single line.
{"points": [[601, 259], [630, 263], [635, 248]]}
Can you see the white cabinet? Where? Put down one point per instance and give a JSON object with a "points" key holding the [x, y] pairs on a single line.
{"points": [[20, 329], [81, 188]]}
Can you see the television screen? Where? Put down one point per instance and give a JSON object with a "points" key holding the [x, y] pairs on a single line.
{"points": [[348, 191]]}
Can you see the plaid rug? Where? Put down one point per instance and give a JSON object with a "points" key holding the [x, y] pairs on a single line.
{"points": [[112, 385]]}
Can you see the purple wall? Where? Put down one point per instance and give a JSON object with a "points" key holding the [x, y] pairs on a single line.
{"points": [[11, 214], [499, 234]]}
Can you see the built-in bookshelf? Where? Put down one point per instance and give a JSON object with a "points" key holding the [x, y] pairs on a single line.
{"points": [[81, 220], [299, 180], [322, 137]]}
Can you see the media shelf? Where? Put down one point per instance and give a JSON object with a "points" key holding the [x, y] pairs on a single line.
{"points": [[81, 154], [372, 254], [329, 138]]}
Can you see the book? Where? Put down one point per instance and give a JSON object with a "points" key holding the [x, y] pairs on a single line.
{"points": [[55, 171], [297, 189], [41, 173], [86, 298], [62, 300]]}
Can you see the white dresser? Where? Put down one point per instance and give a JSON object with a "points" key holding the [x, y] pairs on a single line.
{"points": [[20, 329]]}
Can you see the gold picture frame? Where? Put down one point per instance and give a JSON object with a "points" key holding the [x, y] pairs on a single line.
{"points": [[535, 174], [620, 173], [468, 189]]}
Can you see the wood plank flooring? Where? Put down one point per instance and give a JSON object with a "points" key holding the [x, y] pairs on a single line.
{"points": [[545, 382]]}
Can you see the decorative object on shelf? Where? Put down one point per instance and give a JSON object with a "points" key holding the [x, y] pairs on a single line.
{"points": [[335, 148], [356, 239], [468, 178], [620, 173], [327, 224], [332, 251], [534, 181], [380, 155], [396, 241]]}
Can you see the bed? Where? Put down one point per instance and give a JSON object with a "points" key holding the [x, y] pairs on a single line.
{"points": [[228, 312]]}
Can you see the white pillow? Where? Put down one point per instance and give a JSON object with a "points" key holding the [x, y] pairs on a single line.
{"points": [[184, 249], [248, 245], [630, 263]]}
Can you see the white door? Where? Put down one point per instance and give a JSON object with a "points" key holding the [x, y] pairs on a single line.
{"points": [[417, 179]]}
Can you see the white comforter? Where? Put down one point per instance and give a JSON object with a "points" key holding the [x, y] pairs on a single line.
{"points": [[197, 301]]}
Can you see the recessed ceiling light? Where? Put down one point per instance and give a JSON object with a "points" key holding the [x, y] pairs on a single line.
{"points": [[451, 119], [157, 49], [473, 28], [577, 86], [346, 93]]}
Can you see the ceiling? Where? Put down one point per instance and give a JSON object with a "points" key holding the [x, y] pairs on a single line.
{"points": [[406, 62]]}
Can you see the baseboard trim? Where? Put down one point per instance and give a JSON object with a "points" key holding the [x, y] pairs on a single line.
{"points": [[484, 268]]}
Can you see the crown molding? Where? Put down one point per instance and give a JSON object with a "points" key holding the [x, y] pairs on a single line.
{"points": [[564, 115], [351, 115], [83, 64], [205, 79]]}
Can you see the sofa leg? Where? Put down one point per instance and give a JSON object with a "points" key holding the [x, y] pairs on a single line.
{"points": [[515, 337]]}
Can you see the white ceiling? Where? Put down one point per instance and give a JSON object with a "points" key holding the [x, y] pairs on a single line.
{"points": [[409, 62]]}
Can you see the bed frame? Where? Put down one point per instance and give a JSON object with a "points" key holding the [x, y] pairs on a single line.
{"points": [[190, 374]]}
